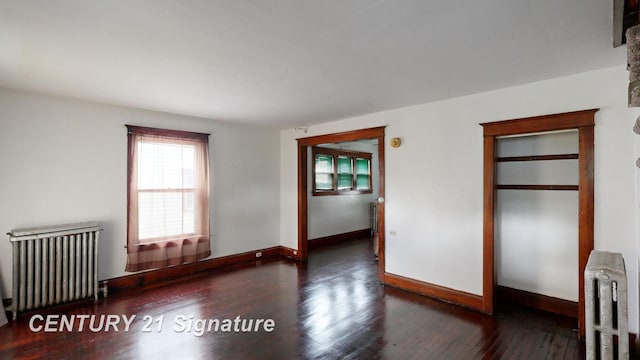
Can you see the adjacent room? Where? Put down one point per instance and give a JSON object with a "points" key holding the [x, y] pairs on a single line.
{"points": [[320, 179]]}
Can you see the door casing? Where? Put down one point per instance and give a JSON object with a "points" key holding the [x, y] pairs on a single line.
{"points": [[584, 122], [303, 144]]}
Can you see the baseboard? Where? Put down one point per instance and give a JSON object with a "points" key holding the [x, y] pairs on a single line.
{"points": [[339, 238], [288, 252], [537, 301], [155, 276], [456, 297]]}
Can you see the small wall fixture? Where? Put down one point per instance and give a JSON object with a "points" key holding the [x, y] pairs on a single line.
{"points": [[395, 142]]}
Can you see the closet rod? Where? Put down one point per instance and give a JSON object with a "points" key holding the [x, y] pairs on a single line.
{"points": [[538, 157], [539, 187]]}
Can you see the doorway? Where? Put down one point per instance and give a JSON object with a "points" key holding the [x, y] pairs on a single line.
{"points": [[303, 187], [583, 122]]}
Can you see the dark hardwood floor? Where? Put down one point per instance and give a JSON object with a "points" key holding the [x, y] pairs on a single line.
{"points": [[331, 308]]}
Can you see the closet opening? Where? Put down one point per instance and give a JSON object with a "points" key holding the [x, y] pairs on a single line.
{"points": [[538, 211]]}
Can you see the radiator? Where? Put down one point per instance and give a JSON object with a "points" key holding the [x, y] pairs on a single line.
{"points": [[54, 265], [606, 320], [373, 216]]}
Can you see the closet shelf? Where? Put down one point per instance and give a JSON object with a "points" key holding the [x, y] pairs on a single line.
{"points": [[539, 187], [538, 157]]}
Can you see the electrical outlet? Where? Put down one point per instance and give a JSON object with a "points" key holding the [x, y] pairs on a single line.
{"points": [[259, 254]]}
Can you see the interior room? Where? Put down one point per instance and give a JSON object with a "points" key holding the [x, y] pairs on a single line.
{"points": [[354, 179], [336, 218]]}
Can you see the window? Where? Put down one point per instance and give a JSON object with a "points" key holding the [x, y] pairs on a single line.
{"points": [[340, 172], [168, 198]]}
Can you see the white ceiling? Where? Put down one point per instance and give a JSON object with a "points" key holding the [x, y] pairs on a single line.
{"points": [[286, 63]]}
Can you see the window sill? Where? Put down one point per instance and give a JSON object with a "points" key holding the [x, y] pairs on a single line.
{"points": [[344, 192]]}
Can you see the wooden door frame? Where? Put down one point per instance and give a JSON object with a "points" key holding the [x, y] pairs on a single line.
{"points": [[584, 122], [303, 221]]}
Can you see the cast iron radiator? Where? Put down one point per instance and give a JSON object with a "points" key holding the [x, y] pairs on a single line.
{"points": [[606, 319], [54, 264]]}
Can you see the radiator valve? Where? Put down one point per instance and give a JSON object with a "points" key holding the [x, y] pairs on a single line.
{"points": [[104, 289]]}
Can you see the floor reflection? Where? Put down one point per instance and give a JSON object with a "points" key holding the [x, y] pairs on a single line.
{"points": [[332, 307], [158, 336], [340, 305]]}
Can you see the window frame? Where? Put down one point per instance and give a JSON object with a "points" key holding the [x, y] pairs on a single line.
{"points": [[178, 135], [335, 153]]}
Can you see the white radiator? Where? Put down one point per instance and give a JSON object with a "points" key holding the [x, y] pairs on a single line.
{"points": [[373, 216], [606, 320], [54, 264]]}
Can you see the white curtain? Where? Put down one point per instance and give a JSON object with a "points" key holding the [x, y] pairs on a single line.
{"points": [[168, 199]]}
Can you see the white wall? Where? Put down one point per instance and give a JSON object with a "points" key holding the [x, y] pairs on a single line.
{"points": [[332, 215], [537, 231], [436, 207], [65, 161]]}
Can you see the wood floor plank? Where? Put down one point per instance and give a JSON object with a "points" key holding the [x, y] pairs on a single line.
{"points": [[333, 307]]}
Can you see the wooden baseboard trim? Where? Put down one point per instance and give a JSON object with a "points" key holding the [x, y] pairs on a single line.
{"points": [[288, 252], [338, 238], [537, 301], [158, 275], [456, 297]]}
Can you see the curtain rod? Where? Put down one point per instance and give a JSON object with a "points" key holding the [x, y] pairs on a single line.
{"points": [[143, 130]]}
